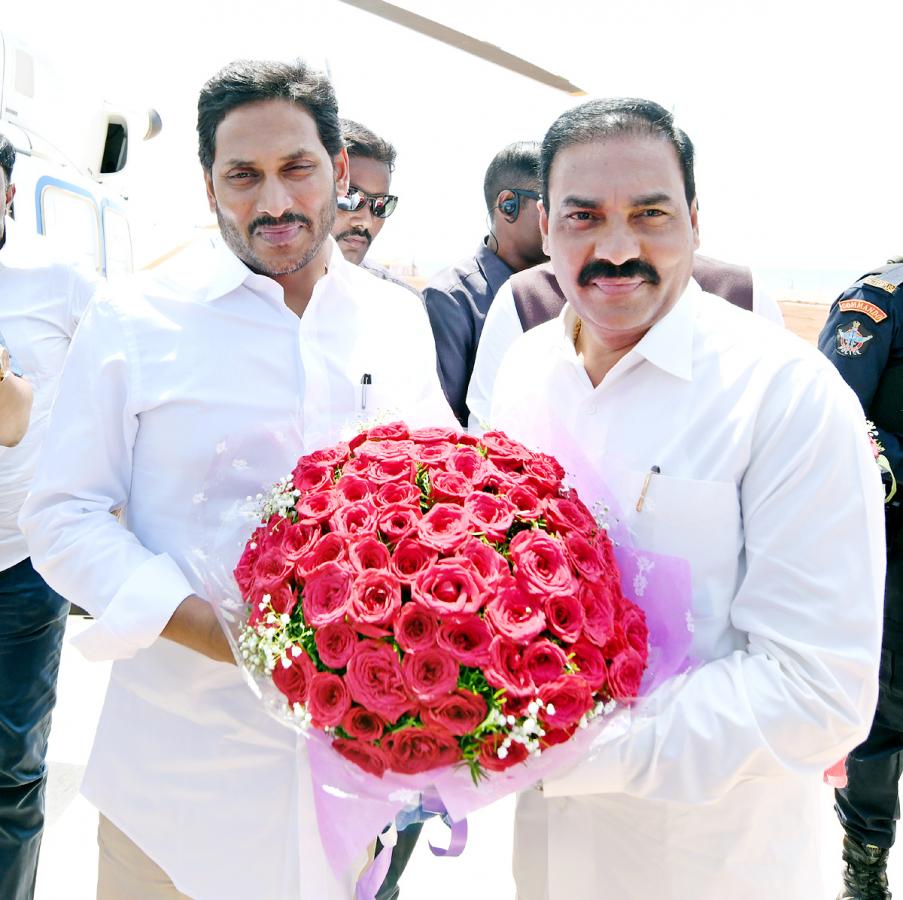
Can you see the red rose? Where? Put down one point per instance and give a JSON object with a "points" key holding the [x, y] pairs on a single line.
{"points": [[271, 571], [244, 571], [397, 520], [589, 661], [515, 614], [362, 724], [545, 661], [433, 435], [450, 586], [393, 431], [569, 696], [374, 678], [330, 456], [586, 558], [316, 508], [460, 713], [466, 461], [327, 594], [541, 566], [433, 454], [504, 452], [494, 481], [411, 750], [375, 600], [327, 700], [294, 679], [445, 527], [397, 492], [367, 552], [489, 514], [490, 760], [353, 488], [373, 450], [449, 487], [526, 502], [566, 617], [430, 674], [616, 644], [491, 565], [599, 607], [543, 473], [298, 540], [506, 668], [368, 757], [633, 621], [555, 736], [466, 637], [570, 514], [311, 477], [335, 644], [625, 673], [410, 558], [415, 628], [329, 548], [283, 599], [395, 468], [354, 518]]}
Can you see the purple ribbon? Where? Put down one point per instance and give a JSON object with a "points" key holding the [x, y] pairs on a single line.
{"points": [[432, 803], [373, 876]]}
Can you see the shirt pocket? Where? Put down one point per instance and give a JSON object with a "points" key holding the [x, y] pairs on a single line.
{"points": [[698, 521]]}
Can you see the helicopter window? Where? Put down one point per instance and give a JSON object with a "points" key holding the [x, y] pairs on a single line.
{"points": [[73, 217], [115, 148]]}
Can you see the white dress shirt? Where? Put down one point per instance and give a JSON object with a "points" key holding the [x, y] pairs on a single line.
{"points": [[502, 328], [41, 301], [164, 382], [769, 490]]}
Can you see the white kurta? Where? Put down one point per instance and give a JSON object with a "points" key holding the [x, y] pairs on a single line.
{"points": [[160, 384], [769, 490]]}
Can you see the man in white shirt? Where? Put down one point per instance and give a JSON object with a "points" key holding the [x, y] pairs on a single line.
{"points": [[42, 302], [726, 441], [531, 297], [252, 352]]}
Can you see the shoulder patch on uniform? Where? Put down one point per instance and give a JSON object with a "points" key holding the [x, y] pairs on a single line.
{"points": [[852, 339], [875, 313], [876, 282]]}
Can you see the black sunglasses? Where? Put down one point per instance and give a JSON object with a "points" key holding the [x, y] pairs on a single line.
{"points": [[381, 205]]}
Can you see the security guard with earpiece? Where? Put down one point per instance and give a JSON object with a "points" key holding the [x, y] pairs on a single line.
{"points": [[863, 337]]}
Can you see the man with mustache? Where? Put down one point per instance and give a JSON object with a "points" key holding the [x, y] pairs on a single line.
{"points": [[233, 361], [459, 297], [713, 436]]}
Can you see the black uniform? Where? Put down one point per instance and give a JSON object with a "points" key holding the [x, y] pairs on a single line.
{"points": [[863, 337]]}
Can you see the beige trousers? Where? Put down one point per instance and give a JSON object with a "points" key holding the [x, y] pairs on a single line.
{"points": [[126, 872]]}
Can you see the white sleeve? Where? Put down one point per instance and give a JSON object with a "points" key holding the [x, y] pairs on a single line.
{"points": [[74, 538], [802, 692], [765, 305], [500, 330]]}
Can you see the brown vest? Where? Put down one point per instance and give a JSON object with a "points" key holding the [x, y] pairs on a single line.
{"points": [[538, 297]]}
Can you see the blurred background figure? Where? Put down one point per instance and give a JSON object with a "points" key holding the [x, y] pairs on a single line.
{"points": [[458, 298]]}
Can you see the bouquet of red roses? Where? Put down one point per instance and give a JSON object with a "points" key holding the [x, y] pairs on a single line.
{"points": [[426, 598]]}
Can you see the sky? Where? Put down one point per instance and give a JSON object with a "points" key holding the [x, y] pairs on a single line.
{"points": [[793, 107]]}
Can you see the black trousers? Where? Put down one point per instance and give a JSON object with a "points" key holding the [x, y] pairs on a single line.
{"points": [[32, 622], [869, 806]]}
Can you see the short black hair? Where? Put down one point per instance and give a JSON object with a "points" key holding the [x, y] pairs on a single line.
{"points": [[597, 120], [362, 142], [252, 81], [515, 166], [7, 157]]}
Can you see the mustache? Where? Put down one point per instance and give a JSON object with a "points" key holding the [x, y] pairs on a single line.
{"points": [[633, 268], [355, 232], [270, 221]]}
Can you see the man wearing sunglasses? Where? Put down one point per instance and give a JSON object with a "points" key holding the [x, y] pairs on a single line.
{"points": [[458, 298]]}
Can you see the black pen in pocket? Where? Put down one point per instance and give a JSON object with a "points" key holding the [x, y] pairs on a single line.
{"points": [[366, 380], [641, 501]]}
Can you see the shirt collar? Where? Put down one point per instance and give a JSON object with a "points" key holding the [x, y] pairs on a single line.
{"points": [[229, 272], [668, 345], [496, 270]]}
